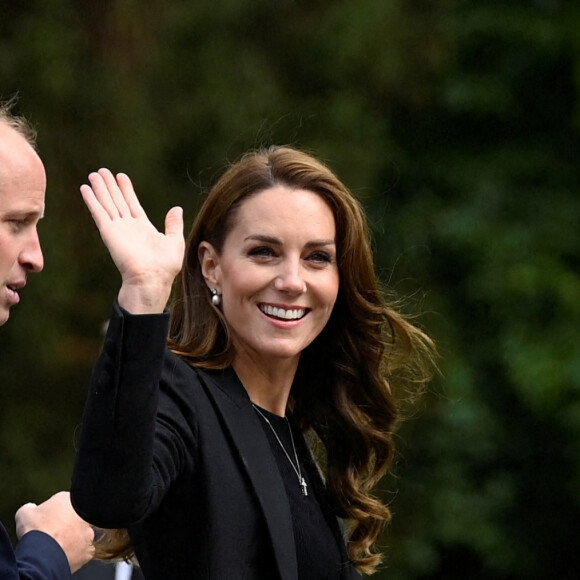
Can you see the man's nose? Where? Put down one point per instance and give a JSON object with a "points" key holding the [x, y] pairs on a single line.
{"points": [[31, 256]]}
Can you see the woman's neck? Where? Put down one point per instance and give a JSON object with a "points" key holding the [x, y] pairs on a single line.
{"points": [[267, 386]]}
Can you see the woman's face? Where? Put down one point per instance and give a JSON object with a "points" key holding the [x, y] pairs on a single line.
{"points": [[277, 274]]}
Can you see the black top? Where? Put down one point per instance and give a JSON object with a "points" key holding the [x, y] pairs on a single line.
{"points": [[317, 551]]}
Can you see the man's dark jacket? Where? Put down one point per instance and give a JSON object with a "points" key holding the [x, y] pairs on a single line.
{"points": [[37, 557]]}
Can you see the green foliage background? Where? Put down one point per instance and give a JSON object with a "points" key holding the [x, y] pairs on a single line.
{"points": [[456, 122]]}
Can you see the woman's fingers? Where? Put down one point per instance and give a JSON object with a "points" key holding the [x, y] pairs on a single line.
{"points": [[147, 259], [130, 197], [109, 194], [136, 246], [98, 211]]}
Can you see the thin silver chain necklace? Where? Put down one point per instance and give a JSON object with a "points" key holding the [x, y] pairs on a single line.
{"points": [[296, 468]]}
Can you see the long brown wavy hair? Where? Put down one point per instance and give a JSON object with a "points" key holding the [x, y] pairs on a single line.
{"points": [[346, 388]]}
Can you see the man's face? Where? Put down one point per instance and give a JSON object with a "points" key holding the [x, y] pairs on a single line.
{"points": [[22, 189]]}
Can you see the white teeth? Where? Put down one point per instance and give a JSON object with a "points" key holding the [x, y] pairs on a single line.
{"points": [[293, 314]]}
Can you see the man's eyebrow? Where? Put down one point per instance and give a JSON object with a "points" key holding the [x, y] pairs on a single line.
{"points": [[24, 214]]}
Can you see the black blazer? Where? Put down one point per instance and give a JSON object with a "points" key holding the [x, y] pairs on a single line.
{"points": [[178, 456]]}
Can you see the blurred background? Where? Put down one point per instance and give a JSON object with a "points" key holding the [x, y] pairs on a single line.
{"points": [[455, 122]]}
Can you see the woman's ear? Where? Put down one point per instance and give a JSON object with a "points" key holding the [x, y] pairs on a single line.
{"points": [[210, 268]]}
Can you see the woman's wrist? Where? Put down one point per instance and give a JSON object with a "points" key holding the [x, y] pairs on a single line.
{"points": [[151, 299]]}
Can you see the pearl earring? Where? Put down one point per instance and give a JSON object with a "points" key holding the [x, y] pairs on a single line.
{"points": [[216, 299]]}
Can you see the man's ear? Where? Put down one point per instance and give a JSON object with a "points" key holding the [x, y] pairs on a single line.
{"points": [[210, 265]]}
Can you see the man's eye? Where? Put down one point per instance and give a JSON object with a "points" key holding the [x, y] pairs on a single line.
{"points": [[18, 224]]}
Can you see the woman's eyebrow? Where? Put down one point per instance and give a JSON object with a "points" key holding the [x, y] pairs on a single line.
{"points": [[318, 243], [274, 240], [262, 238]]}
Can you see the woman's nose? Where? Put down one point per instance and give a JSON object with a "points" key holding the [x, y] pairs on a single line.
{"points": [[290, 278]]}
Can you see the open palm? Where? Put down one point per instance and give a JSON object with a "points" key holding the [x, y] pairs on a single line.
{"points": [[148, 260]]}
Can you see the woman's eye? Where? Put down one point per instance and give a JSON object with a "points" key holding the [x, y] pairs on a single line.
{"points": [[261, 251], [322, 257]]}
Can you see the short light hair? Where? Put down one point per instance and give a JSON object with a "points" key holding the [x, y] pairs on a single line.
{"points": [[17, 122]]}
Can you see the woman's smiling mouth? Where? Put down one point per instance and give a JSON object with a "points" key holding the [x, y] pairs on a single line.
{"points": [[282, 313]]}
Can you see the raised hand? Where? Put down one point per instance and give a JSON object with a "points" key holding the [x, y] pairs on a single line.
{"points": [[148, 260]]}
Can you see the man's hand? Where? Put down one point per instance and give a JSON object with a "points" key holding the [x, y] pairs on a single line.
{"points": [[57, 518]]}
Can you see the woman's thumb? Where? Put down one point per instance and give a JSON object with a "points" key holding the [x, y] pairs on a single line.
{"points": [[174, 222]]}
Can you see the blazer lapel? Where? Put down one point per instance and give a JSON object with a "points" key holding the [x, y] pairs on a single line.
{"points": [[232, 400]]}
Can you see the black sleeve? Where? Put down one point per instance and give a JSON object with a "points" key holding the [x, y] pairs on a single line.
{"points": [[128, 453]]}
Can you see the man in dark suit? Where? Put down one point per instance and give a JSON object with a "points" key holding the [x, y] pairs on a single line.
{"points": [[54, 540]]}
